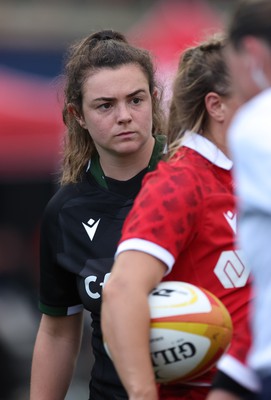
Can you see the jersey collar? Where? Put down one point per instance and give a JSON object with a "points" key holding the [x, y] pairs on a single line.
{"points": [[207, 149], [96, 171]]}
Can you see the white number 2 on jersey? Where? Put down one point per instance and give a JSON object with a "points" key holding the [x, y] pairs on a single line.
{"points": [[230, 269]]}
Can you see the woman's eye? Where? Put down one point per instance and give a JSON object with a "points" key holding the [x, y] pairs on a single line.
{"points": [[136, 100], [105, 106]]}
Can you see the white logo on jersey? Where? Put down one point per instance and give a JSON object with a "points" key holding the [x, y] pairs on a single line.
{"points": [[93, 278], [91, 227], [231, 219], [230, 269]]}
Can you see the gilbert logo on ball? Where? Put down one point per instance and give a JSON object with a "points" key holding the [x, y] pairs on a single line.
{"points": [[190, 329]]}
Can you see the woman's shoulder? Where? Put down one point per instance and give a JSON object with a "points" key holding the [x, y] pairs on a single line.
{"points": [[65, 195], [184, 162], [177, 175]]}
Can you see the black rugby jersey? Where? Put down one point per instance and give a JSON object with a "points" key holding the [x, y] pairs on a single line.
{"points": [[80, 231]]}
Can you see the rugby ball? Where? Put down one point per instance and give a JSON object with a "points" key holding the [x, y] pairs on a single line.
{"points": [[190, 329]]}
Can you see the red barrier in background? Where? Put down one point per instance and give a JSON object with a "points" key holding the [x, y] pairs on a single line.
{"points": [[30, 125]]}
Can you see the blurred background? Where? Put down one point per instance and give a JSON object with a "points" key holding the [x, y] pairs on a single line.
{"points": [[34, 36]]}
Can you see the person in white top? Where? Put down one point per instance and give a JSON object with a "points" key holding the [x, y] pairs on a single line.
{"points": [[249, 138]]}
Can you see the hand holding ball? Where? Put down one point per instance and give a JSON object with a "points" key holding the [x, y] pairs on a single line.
{"points": [[190, 329]]}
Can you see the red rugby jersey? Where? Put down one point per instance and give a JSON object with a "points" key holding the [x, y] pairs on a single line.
{"points": [[185, 215]]}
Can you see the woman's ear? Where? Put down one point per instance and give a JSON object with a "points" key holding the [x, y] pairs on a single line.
{"points": [[215, 106], [72, 109], [155, 93]]}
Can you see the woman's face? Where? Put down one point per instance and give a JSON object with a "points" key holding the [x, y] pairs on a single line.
{"points": [[247, 66], [240, 73], [117, 110]]}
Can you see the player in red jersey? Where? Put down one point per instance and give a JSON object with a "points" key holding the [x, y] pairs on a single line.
{"points": [[183, 227]]}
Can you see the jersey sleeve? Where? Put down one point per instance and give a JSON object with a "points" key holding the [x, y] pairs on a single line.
{"points": [[166, 214], [58, 289]]}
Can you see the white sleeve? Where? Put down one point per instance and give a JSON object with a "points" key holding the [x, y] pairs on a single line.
{"points": [[150, 248], [250, 145]]}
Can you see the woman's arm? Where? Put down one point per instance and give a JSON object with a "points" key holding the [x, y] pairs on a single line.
{"points": [[126, 320], [55, 353]]}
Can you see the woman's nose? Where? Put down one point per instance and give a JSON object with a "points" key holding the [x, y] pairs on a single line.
{"points": [[123, 113]]}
